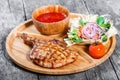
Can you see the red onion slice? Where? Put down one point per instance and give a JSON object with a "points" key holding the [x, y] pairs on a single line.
{"points": [[92, 31]]}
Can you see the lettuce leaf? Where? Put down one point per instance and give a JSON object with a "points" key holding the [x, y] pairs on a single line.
{"points": [[73, 35]]}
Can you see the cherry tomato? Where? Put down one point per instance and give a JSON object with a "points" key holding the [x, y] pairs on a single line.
{"points": [[97, 50]]}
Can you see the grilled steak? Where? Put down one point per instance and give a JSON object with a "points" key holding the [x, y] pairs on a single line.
{"points": [[49, 53]]}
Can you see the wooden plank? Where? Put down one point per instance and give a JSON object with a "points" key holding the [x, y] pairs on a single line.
{"points": [[11, 14], [115, 58], [17, 10], [110, 70], [28, 12], [78, 76], [102, 72]]}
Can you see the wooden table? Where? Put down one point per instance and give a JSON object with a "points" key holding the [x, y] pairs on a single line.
{"points": [[14, 12]]}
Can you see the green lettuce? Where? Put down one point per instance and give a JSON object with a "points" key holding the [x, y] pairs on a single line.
{"points": [[73, 35]]}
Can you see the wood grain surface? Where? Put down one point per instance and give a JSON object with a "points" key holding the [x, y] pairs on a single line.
{"points": [[18, 51], [14, 12]]}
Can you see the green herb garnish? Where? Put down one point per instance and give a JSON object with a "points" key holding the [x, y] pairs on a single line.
{"points": [[104, 37], [77, 40], [101, 22], [74, 32], [82, 22], [74, 36]]}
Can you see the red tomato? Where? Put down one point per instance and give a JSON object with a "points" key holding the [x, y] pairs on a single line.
{"points": [[97, 50]]}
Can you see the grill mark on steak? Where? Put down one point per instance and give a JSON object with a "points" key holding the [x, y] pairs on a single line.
{"points": [[49, 53]]}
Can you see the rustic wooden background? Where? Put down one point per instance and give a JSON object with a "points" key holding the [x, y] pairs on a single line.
{"points": [[14, 12]]}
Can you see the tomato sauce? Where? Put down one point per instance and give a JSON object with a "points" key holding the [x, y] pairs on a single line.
{"points": [[51, 17]]}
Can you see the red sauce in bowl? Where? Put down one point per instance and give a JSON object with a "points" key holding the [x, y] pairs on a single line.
{"points": [[51, 17]]}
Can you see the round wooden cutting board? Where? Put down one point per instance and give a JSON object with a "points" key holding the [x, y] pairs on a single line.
{"points": [[18, 52]]}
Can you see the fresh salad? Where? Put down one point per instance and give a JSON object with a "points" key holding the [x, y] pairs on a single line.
{"points": [[90, 29]]}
